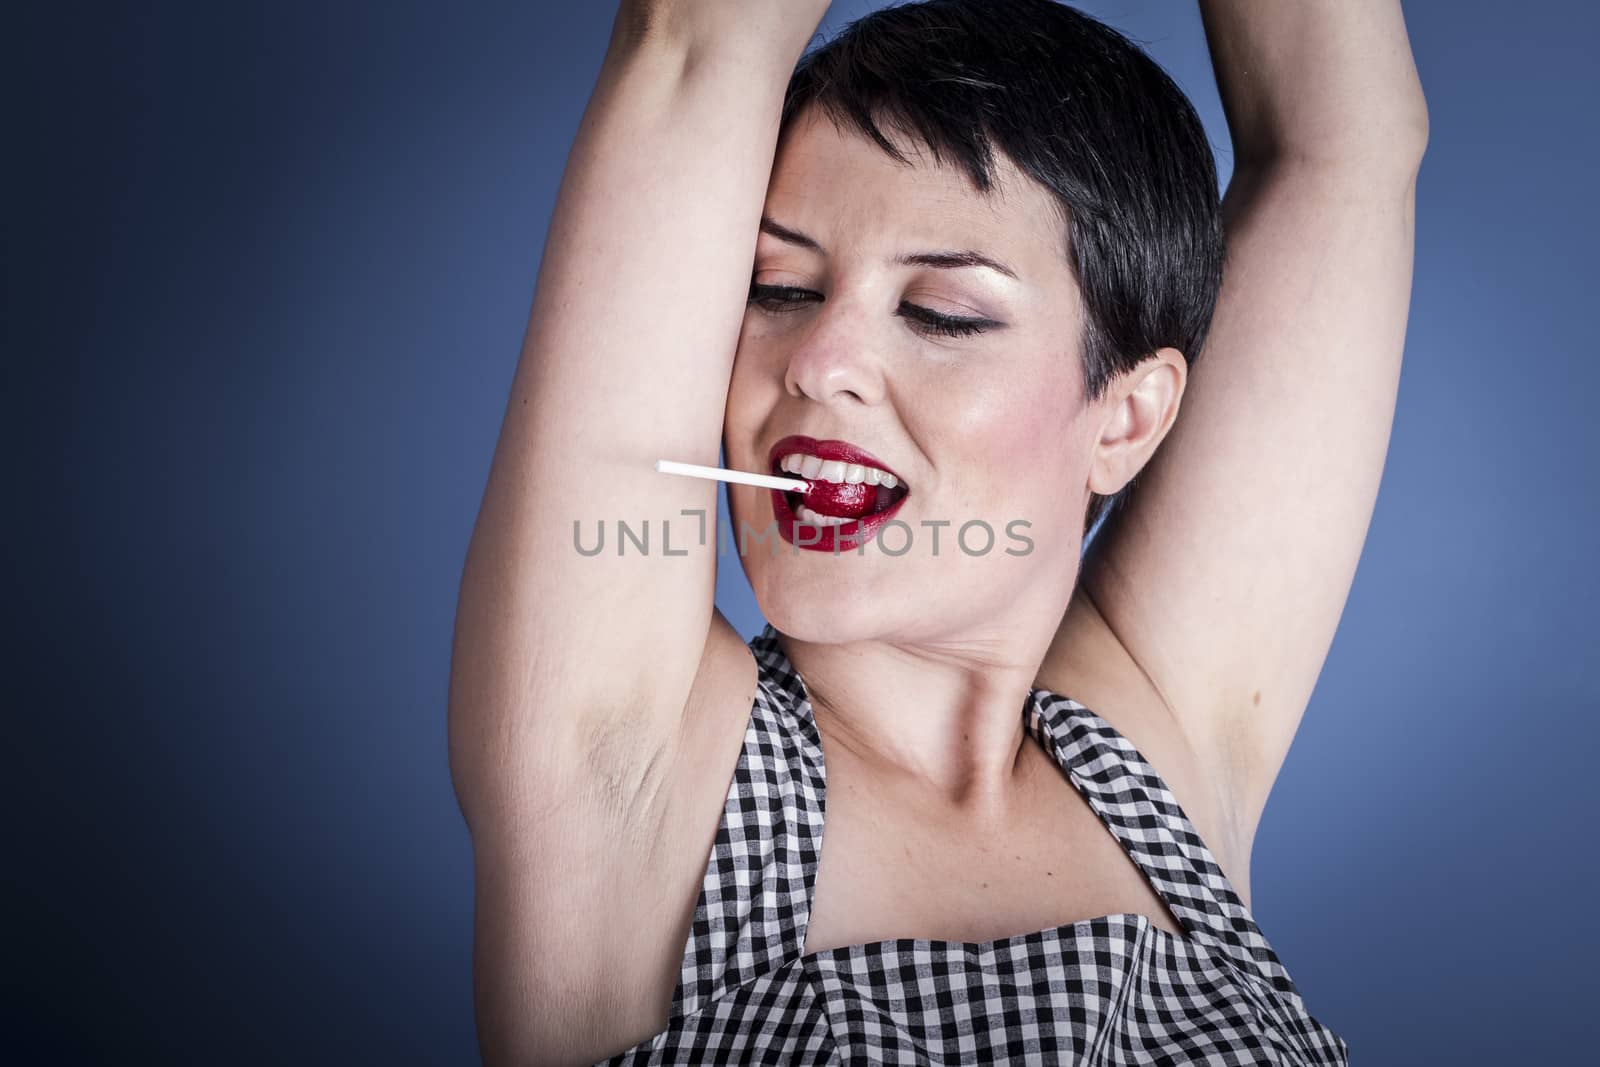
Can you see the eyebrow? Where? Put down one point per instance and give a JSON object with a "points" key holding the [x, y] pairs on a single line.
{"points": [[946, 259]]}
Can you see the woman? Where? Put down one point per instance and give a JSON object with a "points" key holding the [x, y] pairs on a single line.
{"points": [[986, 251]]}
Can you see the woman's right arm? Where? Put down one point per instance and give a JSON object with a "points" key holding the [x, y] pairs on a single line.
{"points": [[570, 673]]}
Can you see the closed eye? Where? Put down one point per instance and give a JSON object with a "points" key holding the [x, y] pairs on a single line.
{"points": [[774, 297], [777, 299]]}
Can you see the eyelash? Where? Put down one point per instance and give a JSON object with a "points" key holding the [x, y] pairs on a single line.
{"points": [[931, 321]]}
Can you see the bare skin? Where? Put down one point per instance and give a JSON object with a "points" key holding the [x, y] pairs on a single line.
{"points": [[597, 705]]}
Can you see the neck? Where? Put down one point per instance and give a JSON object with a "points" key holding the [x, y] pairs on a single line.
{"points": [[940, 716]]}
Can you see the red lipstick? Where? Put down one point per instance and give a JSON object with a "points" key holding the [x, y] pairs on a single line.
{"points": [[864, 507]]}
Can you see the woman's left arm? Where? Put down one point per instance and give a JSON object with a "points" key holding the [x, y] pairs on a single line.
{"points": [[1329, 83], [1227, 570]]}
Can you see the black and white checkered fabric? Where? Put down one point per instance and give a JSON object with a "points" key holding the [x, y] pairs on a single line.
{"points": [[1113, 990]]}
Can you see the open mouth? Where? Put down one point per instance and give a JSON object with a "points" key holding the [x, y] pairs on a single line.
{"points": [[851, 492], [841, 491]]}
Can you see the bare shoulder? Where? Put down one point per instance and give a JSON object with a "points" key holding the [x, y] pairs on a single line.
{"points": [[1087, 663]]}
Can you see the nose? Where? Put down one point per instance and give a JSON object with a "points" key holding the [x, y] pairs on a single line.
{"points": [[835, 360]]}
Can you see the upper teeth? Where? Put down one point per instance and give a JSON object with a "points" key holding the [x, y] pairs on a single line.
{"points": [[834, 470]]}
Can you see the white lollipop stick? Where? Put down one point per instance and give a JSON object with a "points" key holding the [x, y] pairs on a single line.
{"points": [[761, 481]]}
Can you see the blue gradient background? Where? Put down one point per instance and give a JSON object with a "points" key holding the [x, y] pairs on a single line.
{"points": [[268, 268]]}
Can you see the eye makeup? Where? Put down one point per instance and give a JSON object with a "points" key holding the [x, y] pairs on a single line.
{"points": [[777, 299]]}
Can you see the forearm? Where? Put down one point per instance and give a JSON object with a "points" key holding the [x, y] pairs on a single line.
{"points": [[1324, 81]]}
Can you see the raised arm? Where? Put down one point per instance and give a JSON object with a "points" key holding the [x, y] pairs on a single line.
{"points": [[570, 674], [1226, 574]]}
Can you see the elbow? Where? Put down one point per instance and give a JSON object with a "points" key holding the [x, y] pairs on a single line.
{"points": [[1396, 139], [1366, 138], [1407, 142], [1390, 146], [1408, 139], [1421, 132]]}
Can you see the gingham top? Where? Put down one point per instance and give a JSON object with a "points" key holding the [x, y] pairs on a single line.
{"points": [[1112, 990]]}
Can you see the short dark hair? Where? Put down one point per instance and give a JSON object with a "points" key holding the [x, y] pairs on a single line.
{"points": [[1081, 110]]}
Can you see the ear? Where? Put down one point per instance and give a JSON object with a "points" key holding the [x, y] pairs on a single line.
{"points": [[1138, 409]]}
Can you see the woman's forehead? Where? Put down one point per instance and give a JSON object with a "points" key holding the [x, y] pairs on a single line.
{"points": [[842, 189]]}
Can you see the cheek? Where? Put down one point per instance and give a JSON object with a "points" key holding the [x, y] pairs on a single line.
{"points": [[1014, 435]]}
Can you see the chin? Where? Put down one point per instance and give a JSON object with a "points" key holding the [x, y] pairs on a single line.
{"points": [[824, 599], [821, 611]]}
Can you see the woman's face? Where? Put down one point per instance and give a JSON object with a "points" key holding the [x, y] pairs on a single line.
{"points": [[982, 428]]}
